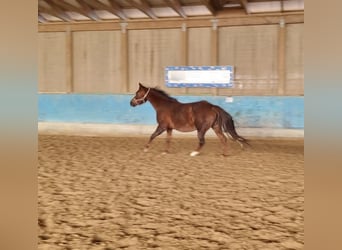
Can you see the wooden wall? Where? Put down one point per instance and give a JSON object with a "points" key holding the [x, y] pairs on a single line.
{"points": [[253, 52], [149, 52], [199, 52], [268, 58], [294, 59], [52, 62], [96, 61]]}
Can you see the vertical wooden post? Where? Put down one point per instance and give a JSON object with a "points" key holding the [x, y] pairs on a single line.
{"points": [[184, 49], [214, 48], [124, 58], [281, 57], [69, 61]]}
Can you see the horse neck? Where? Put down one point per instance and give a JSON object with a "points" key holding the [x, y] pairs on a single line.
{"points": [[158, 100]]}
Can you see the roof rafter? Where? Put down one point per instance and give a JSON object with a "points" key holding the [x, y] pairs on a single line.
{"points": [[244, 4], [69, 7], [281, 5], [77, 11], [212, 5], [55, 13], [114, 8], [42, 19], [87, 10], [144, 7], [114, 5], [176, 6], [59, 11]]}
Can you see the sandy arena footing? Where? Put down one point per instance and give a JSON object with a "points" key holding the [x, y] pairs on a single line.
{"points": [[106, 193]]}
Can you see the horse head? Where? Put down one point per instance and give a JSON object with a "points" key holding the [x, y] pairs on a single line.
{"points": [[140, 95]]}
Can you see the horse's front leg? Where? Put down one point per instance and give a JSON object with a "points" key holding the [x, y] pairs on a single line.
{"points": [[157, 132], [168, 140]]}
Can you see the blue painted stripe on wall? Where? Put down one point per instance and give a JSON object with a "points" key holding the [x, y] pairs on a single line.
{"points": [[248, 111]]}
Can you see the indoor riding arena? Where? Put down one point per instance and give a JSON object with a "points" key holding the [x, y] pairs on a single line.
{"points": [[101, 188]]}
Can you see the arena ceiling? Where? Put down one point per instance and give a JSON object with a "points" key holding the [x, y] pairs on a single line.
{"points": [[74, 11]]}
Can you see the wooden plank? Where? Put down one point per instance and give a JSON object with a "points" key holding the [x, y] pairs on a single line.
{"points": [[53, 12], [80, 26], [176, 6], [114, 8], [87, 10], [294, 59], [199, 53], [97, 62], [59, 11], [260, 20], [157, 49], [69, 66], [214, 48], [244, 4], [175, 23], [52, 62], [281, 57], [124, 58], [184, 49], [211, 6], [255, 68], [143, 7], [117, 9], [41, 19]]}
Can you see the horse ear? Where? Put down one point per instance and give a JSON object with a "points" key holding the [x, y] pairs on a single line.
{"points": [[140, 85]]}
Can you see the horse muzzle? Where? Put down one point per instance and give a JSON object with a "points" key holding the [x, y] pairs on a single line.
{"points": [[133, 102]]}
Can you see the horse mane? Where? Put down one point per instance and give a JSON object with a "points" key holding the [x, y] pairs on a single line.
{"points": [[164, 94]]}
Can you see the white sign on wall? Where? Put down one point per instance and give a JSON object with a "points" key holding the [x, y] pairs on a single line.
{"points": [[199, 76]]}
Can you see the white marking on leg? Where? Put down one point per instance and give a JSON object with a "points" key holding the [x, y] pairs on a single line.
{"points": [[194, 153]]}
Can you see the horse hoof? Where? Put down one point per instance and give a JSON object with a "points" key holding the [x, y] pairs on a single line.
{"points": [[194, 153], [145, 150]]}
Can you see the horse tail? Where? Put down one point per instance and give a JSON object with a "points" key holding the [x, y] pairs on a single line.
{"points": [[226, 122]]}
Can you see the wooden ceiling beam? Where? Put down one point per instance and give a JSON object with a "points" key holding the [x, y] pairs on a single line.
{"points": [[242, 20], [144, 7], [177, 6], [217, 4], [114, 8], [59, 11], [114, 5], [82, 11], [87, 11], [41, 19], [67, 6], [244, 4], [281, 5], [53, 12], [210, 4]]}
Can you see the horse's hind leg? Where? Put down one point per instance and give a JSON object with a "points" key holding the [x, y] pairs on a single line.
{"points": [[157, 132], [218, 131], [200, 135]]}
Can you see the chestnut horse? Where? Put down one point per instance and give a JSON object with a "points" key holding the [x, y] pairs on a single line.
{"points": [[187, 117]]}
